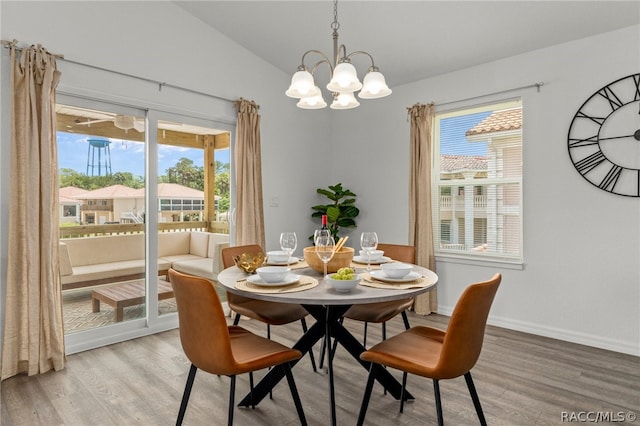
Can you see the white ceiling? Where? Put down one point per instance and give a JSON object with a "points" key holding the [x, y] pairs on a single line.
{"points": [[410, 40]]}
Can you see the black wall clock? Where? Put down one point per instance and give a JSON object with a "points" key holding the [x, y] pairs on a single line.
{"points": [[604, 138]]}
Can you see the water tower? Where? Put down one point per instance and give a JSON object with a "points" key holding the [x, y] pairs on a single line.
{"points": [[101, 148]]}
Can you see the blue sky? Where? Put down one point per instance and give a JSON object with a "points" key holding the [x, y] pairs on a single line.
{"points": [[126, 156], [452, 135]]}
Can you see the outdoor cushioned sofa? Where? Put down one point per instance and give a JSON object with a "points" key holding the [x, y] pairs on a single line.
{"points": [[86, 262]]}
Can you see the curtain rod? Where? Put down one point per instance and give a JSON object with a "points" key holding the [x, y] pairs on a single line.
{"points": [[160, 84], [529, 86]]}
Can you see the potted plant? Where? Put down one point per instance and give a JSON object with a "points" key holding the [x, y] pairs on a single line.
{"points": [[340, 212]]}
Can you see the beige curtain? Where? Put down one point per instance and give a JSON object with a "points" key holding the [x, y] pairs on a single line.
{"points": [[248, 161], [420, 223], [33, 335]]}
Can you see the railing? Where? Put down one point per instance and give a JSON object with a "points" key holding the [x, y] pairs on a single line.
{"points": [[130, 217], [82, 231], [447, 201], [97, 208], [452, 246]]}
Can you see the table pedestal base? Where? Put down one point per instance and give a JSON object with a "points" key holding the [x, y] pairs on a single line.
{"points": [[327, 324]]}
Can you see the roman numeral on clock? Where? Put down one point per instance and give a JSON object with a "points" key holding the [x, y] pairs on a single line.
{"points": [[610, 180], [597, 120], [575, 143], [587, 164], [609, 95]]}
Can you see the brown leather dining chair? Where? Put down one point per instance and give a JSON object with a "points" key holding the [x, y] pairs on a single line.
{"points": [[270, 313], [213, 346], [437, 354]]}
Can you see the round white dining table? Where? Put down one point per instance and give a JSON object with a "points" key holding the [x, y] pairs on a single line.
{"points": [[327, 306]]}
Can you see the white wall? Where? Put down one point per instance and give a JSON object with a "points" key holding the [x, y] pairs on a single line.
{"points": [[581, 276], [581, 279], [160, 41]]}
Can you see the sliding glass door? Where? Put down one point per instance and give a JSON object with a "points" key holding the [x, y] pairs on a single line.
{"points": [[135, 185]]}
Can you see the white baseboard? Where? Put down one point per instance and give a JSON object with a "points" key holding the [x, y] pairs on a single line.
{"points": [[558, 333]]}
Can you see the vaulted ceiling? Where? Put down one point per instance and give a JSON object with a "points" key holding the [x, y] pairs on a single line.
{"points": [[410, 40]]}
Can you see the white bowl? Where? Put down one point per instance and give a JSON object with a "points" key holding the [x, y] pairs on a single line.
{"points": [[343, 286], [273, 274], [277, 256], [396, 269], [375, 254]]}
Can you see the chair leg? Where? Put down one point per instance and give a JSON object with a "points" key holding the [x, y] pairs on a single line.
{"points": [[311, 357], [253, 405], [436, 391], [186, 394], [474, 397], [332, 352], [364, 339], [406, 320], [333, 349], [384, 331], [404, 386], [236, 320], [294, 393], [322, 351], [367, 394], [232, 393]]}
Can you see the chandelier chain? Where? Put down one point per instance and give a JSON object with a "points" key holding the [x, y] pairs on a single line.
{"points": [[335, 24]]}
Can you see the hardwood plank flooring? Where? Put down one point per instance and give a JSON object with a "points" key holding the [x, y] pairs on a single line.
{"points": [[521, 379]]}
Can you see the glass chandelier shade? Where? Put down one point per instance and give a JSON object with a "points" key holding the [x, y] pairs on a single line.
{"points": [[345, 79], [302, 85], [312, 102], [343, 82], [344, 101], [374, 86]]}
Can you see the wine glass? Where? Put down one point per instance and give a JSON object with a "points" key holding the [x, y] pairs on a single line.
{"points": [[324, 249], [288, 243], [369, 242]]}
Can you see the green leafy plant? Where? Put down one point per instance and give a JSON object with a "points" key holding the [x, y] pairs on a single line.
{"points": [[340, 212]]}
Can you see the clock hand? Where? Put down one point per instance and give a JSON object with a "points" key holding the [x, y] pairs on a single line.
{"points": [[621, 137]]}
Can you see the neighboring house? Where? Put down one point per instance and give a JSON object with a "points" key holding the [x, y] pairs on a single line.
{"points": [[175, 201], [493, 210], [70, 206], [121, 204]]}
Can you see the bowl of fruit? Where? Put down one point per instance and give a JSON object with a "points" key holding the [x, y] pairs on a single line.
{"points": [[344, 280]]}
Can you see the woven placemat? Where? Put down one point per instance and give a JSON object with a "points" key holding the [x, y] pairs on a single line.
{"points": [[369, 281], [304, 283], [364, 265]]}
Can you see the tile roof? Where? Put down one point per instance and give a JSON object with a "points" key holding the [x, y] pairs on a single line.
{"points": [[173, 190], [498, 121], [165, 190], [454, 163], [70, 191], [113, 191]]}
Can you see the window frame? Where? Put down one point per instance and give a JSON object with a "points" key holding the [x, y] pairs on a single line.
{"points": [[467, 256]]}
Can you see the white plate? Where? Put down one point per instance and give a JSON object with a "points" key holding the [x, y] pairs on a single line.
{"points": [[411, 276], [292, 260], [289, 279], [363, 260]]}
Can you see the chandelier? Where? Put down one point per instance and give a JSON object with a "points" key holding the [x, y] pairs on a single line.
{"points": [[343, 82]]}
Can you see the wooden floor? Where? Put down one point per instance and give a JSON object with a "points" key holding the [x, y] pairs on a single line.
{"points": [[521, 379]]}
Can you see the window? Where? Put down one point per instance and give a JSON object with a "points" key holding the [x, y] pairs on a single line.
{"points": [[69, 211], [477, 178]]}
